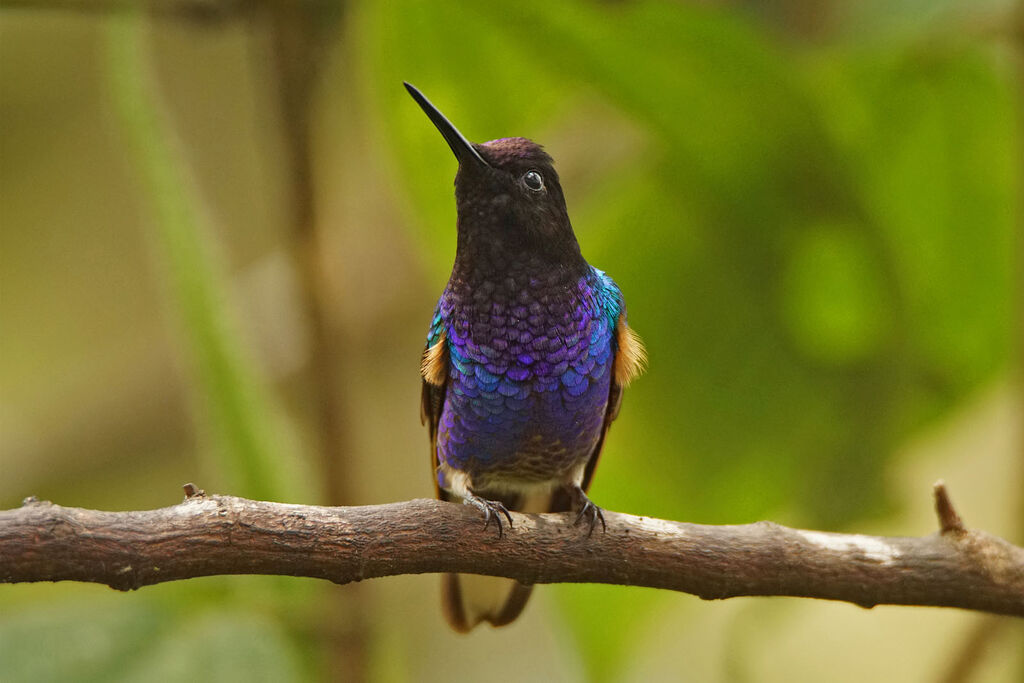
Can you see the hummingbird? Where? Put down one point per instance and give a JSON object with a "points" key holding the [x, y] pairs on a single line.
{"points": [[526, 358]]}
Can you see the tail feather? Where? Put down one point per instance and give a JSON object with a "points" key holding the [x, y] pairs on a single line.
{"points": [[468, 599]]}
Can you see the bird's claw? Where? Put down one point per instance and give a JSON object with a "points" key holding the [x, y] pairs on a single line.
{"points": [[588, 510], [492, 509]]}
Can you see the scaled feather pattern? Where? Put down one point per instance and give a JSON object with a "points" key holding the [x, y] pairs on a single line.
{"points": [[530, 366]]}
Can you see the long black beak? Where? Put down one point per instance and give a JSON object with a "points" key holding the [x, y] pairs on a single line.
{"points": [[463, 148]]}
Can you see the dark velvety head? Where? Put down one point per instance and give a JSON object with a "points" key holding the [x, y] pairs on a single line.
{"points": [[510, 203], [515, 199]]}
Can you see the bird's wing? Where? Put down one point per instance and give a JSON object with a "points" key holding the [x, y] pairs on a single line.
{"points": [[434, 370]]}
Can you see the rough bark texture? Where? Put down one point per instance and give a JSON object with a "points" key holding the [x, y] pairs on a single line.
{"points": [[207, 535]]}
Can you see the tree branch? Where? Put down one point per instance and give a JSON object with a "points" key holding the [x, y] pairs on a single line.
{"points": [[208, 535]]}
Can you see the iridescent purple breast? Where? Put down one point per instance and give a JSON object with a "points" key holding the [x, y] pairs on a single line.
{"points": [[529, 377]]}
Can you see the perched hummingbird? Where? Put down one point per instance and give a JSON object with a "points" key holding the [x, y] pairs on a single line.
{"points": [[526, 358]]}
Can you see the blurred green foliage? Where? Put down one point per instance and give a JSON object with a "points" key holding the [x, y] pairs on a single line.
{"points": [[144, 643], [815, 238], [251, 445]]}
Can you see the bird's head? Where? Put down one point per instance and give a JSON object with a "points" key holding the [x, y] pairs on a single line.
{"points": [[509, 200]]}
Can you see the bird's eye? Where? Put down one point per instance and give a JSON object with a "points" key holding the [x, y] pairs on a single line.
{"points": [[534, 181]]}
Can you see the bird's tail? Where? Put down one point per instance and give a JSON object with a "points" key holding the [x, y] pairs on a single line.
{"points": [[468, 599]]}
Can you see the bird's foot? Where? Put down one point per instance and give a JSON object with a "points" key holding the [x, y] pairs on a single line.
{"points": [[586, 509], [492, 509]]}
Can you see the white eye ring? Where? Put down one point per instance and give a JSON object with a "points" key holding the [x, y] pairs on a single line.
{"points": [[534, 181]]}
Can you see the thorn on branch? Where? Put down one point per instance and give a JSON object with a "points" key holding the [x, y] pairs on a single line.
{"points": [[949, 520], [193, 491]]}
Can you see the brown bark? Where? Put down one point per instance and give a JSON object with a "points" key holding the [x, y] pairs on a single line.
{"points": [[207, 535]]}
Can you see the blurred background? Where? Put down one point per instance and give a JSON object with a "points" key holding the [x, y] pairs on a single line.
{"points": [[223, 227]]}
